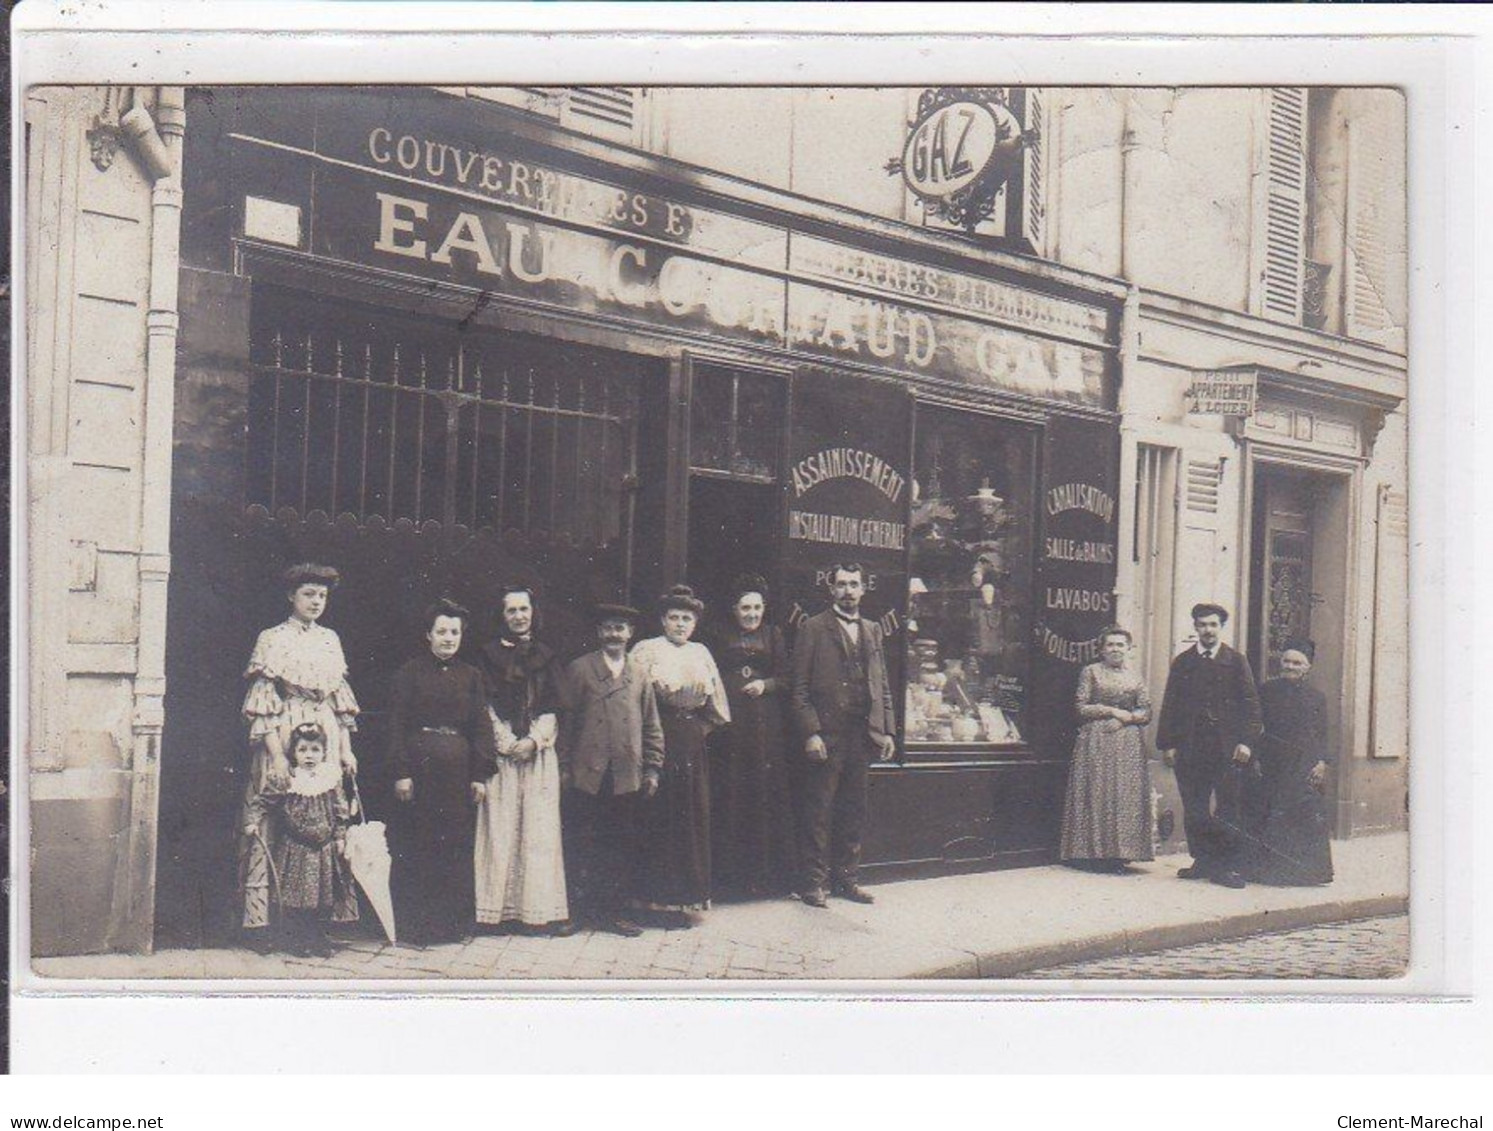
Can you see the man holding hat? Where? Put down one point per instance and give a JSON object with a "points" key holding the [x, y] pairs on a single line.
{"points": [[611, 749], [1210, 720]]}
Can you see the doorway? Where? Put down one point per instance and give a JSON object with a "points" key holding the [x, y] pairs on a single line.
{"points": [[1300, 559], [732, 531], [1283, 596], [735, 452]]}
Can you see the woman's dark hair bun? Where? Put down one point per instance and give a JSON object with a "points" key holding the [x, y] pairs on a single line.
{"points": [[748, 583], [309, 573], [681, 597], [446, 607]]}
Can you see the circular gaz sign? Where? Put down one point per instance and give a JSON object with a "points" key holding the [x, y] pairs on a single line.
{"points": [[949, 149]]}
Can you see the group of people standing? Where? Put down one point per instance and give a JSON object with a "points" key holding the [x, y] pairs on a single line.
{"points": [[638, 783], [631, 785], [1251, 764]]}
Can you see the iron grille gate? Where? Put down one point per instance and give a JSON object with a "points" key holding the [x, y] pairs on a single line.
{"points": [[393, 421]]}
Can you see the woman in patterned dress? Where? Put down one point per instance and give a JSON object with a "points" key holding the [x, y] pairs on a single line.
{"points": [[1107, 816], [520, 863], [752, 806], [312, 879], [297, 675], [675, 845]]}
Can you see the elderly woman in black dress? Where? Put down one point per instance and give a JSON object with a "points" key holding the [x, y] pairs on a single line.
{"points": [[1287, 810], [752, 806], [441, 752]]}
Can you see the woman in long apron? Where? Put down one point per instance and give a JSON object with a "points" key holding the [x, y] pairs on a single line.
{"points": [[441, 744], [675, 845], [520, 864]]}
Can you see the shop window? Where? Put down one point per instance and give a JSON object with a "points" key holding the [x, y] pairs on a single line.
{"points": [[735, 423], [383, 418], [969, 615]]}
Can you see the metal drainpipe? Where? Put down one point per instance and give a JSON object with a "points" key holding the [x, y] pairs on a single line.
{"points": [[157, 142], [1129, 356]]}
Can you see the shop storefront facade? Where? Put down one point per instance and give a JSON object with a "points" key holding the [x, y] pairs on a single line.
{"points": [[1268, 465], [443, 344]]}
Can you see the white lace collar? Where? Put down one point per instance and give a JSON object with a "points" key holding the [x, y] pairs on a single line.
{"points": [[316, 781]]}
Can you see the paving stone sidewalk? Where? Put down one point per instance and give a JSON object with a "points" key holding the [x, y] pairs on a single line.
{"points": [[982, 925]]}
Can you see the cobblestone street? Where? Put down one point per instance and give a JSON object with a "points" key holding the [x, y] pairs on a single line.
{"points": [[1368, 948]]}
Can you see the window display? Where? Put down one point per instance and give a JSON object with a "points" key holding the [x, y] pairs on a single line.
{"points": [[969, 623]]}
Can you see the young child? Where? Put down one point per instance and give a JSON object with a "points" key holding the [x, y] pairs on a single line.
{"points": [[311, 878]]}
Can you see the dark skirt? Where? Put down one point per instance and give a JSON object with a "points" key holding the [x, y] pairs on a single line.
{"points": [[432, 842], [674, 841], [754, 835], [1290, 821]]}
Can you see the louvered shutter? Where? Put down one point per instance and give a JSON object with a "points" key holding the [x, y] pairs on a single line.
{"points": [[1366, 309], [1204, 482], [546, 101], [1285, 205], [1034, 188], [1201, 545], [1390, 718], [605, 111]]}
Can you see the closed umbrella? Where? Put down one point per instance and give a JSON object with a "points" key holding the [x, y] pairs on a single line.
{"points": [[368, 858]]}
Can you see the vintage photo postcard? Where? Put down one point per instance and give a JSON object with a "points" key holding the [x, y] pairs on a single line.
{"points": [[486, 536]]}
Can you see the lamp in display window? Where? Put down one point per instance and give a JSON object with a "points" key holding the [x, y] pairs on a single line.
{"points": [[966, 630]]}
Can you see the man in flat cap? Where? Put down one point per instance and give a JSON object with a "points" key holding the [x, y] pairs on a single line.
{"points": [[611, 749], [1210, 721]]}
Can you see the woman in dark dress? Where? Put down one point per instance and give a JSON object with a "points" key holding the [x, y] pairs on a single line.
{"points": [[1290, 844], [674, 848], [752, 807], [441, 751]]}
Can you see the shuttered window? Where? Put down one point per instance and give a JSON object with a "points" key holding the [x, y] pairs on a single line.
{"points": [[1034, 189], [1390, 717], [542, 100], [1285, 205], [1204, 479], [605, 111], [611, 112], [1367, 309]]}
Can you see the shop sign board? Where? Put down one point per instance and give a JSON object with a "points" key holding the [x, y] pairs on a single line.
{"points": [[872, 332], [424, 197], [1076, 565], [954, 292], [847, 498], [452, 239], [951, 148], [1223, 392], [425, 146]]}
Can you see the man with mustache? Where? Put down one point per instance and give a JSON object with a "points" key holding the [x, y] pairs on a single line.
{"points": [[1210, 721], [611, 750]]}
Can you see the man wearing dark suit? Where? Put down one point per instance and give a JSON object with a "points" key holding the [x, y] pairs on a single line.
{"points": [[1210, 718], [611, 750], [842, 709]]}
